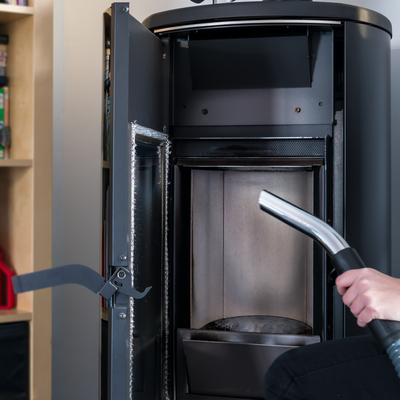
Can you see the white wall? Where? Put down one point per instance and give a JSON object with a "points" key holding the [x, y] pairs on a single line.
{"points": [[78, 64]]}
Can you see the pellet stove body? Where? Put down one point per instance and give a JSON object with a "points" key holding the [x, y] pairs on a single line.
{"points": [[226, 100]]}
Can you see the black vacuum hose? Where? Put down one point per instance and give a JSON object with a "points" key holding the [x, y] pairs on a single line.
{"points": [[343, 257]]}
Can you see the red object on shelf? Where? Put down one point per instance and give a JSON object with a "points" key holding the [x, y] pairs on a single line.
{"points": [[7, 295]]}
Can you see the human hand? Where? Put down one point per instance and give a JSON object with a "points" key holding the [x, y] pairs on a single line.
{"points": [[370, 294]]}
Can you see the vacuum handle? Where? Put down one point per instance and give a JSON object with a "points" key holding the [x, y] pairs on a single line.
{"points": [[385, 332]]}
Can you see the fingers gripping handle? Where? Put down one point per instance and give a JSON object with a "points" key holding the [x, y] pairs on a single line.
{"points": [[385, 332]]}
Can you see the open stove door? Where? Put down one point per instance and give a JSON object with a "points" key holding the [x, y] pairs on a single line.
{"points": [[135, 215]]}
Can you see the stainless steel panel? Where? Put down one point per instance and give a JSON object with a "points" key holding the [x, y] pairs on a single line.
{"points": [[309, 262], [266, 267], [208, 247], [265, 263], [338, 174]]}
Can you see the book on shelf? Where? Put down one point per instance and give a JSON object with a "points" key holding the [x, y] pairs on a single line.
{"points": [[3, 59], [5, 139], [15, 2], [4, 98]]}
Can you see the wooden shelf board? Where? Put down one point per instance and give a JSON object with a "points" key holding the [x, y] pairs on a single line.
{"points": [[9, 13], [14, 316], [15, 163]]}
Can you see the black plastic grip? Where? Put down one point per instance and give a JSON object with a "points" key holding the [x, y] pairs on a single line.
{"points": [[347, 259], [385, 332]]}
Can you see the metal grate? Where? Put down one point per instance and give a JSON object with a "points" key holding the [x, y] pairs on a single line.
{"points": [[250, 148]]}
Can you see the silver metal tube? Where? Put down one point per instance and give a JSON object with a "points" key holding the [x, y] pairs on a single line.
{"points": [[223, 24], [301, 220]]}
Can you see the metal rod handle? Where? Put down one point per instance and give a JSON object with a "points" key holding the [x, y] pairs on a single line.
{"points": [[301, 220], [343, 258]]}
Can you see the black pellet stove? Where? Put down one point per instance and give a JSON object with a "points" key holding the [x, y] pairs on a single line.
{"points": [[209, 105]]}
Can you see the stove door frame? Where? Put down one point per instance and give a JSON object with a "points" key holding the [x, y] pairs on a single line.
{"points": [[136, 66]]}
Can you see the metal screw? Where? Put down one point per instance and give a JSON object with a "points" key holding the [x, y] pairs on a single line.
{"points": [[125, 9], [297, 109], [122, 315], [121, 275], [205, 111], [122, 258], [320, 103]]}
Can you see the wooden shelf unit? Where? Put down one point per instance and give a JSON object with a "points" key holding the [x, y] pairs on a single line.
{"points": [[15, 163], [26, 178], [9, 13], [7, 316]]}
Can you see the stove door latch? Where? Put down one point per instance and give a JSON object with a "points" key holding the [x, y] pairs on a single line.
{"points": [[82, 275]]}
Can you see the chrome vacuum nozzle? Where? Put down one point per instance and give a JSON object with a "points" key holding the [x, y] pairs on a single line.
{"points": [[343, 258], [302, 221]]}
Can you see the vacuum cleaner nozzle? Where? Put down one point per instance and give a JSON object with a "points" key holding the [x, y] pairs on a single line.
{"points": [[343, 258]]}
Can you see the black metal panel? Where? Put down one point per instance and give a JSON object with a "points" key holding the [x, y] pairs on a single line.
{"points": [[228, 369], [284, 131], [181, 247], [367, 145], [117, 383], [250, 63], [146, 87], [230, 106], [119, 63], [137, 94], [217, 365], [267, 10]]}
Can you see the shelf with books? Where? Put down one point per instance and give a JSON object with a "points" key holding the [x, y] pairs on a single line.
{"points": [[20, 99], [25, 177]]}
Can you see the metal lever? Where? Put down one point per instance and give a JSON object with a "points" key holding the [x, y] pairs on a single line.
{"points": [[81, 275], [121, 281]]}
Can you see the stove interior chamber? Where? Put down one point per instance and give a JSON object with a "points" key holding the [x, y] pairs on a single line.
{"points": [[242, 263], [247, 287]]}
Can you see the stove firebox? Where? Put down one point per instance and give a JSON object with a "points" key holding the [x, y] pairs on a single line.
{"points": [[228, 100]]}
